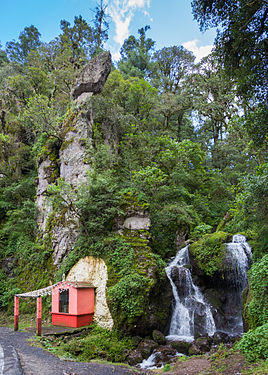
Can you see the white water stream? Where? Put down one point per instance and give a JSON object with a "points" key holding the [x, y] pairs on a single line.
{"points": [[189, 301], [191, 313]]}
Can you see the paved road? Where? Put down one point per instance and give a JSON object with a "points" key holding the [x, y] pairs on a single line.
{"points": [[17, 357]]}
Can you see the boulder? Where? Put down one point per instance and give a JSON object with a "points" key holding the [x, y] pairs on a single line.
{"points": [[146, 347], [134, 358], [181, 346], [204, 344], [94, 75], [159, 337], [165, 354], [194, 349]]}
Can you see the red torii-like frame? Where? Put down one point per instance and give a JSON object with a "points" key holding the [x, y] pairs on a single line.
{"points": [[38, 294]]}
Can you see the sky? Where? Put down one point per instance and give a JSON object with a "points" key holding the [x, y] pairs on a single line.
{"points": [[171, 21]]}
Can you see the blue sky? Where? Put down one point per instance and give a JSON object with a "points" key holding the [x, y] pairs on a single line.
{"points": [[171, 21]]}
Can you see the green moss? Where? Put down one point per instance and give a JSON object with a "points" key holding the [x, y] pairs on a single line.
{"points": [[66, 143], [69, 121], [255, 301], [131, 202], [210, 252], [254, 343]]}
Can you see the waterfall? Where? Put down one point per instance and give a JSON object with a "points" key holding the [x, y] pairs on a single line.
{"points": [[238, 258], [191, 313]]}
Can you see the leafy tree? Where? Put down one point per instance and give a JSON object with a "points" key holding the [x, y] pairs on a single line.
{"points": [[136, 55], [79, 38], [3, 56], [172, 65], [242, 39], [39, 117], [29, 40], [213, 100]]}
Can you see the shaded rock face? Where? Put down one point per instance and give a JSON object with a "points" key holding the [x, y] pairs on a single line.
{"points": [[72, 164], [137, 223], [94, 271], [93, 76]]}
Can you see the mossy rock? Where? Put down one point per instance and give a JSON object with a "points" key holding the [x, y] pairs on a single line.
{"points": [[159, 337], [181, 346], [210, 252]]}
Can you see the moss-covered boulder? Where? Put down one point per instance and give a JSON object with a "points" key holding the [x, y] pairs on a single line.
{"points": [[210, 252], [136, 296]]}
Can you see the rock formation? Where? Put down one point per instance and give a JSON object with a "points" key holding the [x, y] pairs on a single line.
{"points": [[93, 76], [69, 161], [94, 271]]}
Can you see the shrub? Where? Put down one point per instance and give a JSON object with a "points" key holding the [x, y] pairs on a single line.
{"points": [[254, 343], [255, 310], [210, 252], [100, 343]]}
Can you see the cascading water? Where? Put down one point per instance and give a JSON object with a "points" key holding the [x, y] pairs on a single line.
{"points": [[192, 315], [190, 307], [238, 257]]}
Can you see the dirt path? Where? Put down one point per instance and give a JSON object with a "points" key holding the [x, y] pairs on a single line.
{"points": [[193, 367], [36, 361]]}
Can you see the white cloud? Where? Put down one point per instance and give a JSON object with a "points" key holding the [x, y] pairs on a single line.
{"points": [[199, 52], [122, 12]]}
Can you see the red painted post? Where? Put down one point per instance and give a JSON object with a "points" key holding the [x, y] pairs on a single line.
{"points": [[16, 313], [38, 316]]}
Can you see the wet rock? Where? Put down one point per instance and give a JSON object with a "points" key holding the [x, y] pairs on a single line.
{"points": [[180, 277], [204, 344], [134, 358], [220, 337], [94, 75], [181, 346], [159, 337], [146, 347], [194, 349], [136, 340], [164, 354], [200, 320]]}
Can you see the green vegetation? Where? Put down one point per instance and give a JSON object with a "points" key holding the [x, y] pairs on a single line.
{"points": [[95, 343], [254, 343], [255, 307], [210, 252], [183, 144]]}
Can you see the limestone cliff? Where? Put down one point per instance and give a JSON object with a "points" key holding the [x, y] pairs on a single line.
{"points": [[68, 161]]}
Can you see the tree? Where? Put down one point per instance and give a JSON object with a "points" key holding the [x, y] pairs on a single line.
{"points": [[242, 39], [172, 65], [29, 40], [136, 55], [3, 56], [79, 39], [101, 24], [213, 96]]}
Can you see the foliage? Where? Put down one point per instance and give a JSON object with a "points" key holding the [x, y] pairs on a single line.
{"points": [[241, 39], [210, 252], [255, 311], [250, 208], [97, 343], [29, 39], [127, 296], [254, 343], [136, 55], [172, 66]]}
